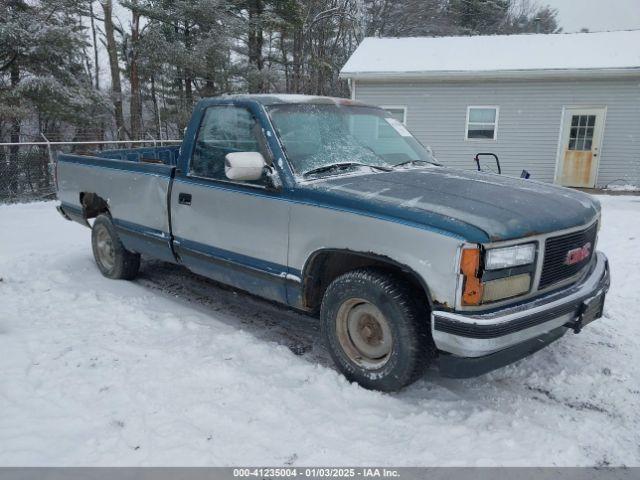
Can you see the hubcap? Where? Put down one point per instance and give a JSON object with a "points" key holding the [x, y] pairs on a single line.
{"points": [[364, 333], [104, 247]]}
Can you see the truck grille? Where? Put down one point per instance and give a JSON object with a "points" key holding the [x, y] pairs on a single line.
{"points": [[555, 267]]}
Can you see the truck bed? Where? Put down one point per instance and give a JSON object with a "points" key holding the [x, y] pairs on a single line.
{"points": [[134, 183]]}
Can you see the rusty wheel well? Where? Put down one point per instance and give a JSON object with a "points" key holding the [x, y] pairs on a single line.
{"points": [[93, 205], [325, 266]]}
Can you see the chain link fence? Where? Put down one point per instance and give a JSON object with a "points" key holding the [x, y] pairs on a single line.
{"points": [[26, 169], [25, 173]]}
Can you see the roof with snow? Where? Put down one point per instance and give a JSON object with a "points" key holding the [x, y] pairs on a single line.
{"points": [[281, 98], [604, 53]]}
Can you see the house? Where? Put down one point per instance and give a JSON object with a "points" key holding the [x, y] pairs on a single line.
{"points": [[565, 107]]}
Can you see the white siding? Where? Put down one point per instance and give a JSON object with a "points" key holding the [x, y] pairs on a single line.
{"points": [[529, 123]]}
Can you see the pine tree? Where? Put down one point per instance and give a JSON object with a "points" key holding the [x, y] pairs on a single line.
{"points": [[42, 68], [44, 85]]}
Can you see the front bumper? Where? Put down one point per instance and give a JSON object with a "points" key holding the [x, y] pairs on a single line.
{"points": [[520, 328]]}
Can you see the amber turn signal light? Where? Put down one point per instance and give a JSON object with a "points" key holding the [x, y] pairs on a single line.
{"points": [[470, 266]]}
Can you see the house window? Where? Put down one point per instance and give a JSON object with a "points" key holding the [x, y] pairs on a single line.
{"points": [[581, 135], [482, 123], [399, 113]]}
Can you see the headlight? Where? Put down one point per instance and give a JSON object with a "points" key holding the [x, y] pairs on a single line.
{"points": [[483, 284], [507, 257]]}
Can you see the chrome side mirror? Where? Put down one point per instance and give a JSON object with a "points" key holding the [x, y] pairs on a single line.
{"points": [[244, 165]]}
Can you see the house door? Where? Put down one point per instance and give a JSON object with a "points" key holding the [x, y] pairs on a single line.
{"points": [[580, 148]]}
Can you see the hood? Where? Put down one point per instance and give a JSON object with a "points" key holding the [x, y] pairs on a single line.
{"points": [[478, 207]]}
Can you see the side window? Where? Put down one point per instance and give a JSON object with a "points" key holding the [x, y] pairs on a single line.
{"points": [[224, 129]]}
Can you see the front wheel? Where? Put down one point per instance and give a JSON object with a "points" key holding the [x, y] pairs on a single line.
{"points": [[113, 260], [376, 331]]}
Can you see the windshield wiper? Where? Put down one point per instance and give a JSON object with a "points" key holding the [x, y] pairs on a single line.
{"points": [[413, 162], [338, 166]]}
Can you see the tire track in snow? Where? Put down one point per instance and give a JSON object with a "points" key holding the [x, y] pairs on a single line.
{"points": [[262, 318]]}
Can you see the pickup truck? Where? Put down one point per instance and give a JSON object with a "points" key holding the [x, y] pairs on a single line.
{"points": [[334, 208]]}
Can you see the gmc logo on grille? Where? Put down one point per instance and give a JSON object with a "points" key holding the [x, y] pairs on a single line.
{"points": [[578, 254]]}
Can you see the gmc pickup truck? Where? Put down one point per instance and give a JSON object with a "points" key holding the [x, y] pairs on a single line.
{"points": [[332, 207]]}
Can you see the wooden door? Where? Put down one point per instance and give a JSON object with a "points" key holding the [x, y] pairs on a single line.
{"points": [[580, 148]]}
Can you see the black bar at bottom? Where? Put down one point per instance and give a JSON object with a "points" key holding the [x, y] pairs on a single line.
{"points": [[323, 473]]}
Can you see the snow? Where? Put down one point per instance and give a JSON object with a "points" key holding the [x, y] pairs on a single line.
{"points": [[172, 369], [495, 53], [623, 188]]}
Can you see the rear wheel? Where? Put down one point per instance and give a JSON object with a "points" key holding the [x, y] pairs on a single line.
{"points": [[376, 331], [113, 260]]}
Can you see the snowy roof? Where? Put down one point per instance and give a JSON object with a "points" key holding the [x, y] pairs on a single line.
{"points": [[496, 55], [280, 98]]}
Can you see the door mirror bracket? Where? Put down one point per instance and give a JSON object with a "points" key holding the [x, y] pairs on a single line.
{"points": [[273, 177]]}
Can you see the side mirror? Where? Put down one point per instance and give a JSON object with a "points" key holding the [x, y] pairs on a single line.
{"points": [[244, 165]]}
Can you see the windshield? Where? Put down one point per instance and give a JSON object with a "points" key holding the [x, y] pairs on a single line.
{"points": [[317, 135]]}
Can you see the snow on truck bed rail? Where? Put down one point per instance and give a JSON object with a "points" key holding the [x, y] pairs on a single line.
{"points": [[173, 370], [495, 53]]}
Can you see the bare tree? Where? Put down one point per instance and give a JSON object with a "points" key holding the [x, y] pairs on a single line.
{"points": [[135, 107], [94, 37], [114, 66]]}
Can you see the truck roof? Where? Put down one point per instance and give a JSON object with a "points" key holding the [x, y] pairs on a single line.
{"points": [[284, 98]]}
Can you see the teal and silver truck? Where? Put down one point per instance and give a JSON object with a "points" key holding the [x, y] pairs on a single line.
{"points": [[333, 208]]}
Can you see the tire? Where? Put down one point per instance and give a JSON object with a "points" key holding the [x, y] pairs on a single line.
{"points": [[376, 330], [113, 260]]}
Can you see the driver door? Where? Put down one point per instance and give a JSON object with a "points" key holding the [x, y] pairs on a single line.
{"points": [[234, 232]]}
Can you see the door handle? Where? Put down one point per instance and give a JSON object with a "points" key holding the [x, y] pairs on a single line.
{"points": [[184, 198]]}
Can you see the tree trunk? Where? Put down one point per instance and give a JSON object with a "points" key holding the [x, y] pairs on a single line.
{"points": [[134, 78], [96, 58], [285, 61], [188, 81], [298, 46], [255, 43], [112, 50], [156, 108], [13, 184], [15, 122]]}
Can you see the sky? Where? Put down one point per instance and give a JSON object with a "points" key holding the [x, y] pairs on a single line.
{"points": [[597, 15]]}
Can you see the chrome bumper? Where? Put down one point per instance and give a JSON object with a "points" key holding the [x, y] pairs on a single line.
{"points": [[477, 335]]}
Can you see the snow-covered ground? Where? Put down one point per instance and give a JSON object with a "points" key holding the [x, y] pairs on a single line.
{"points": [[175, 370]]}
